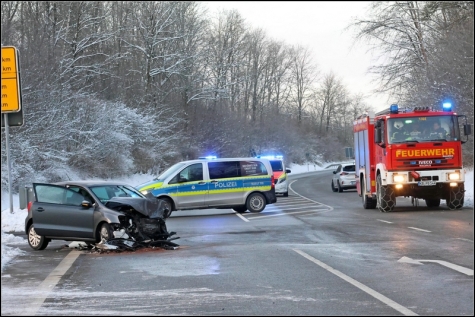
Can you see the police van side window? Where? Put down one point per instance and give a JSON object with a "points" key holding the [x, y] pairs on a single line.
{"points": [[252, 168], [189, 174], [219, 170]]}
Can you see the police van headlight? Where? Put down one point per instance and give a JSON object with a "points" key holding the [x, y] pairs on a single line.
{"points": [[399, 178], [146, 191], [454, 176]]}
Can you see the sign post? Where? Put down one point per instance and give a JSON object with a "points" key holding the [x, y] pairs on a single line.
{"points": [[11, 100]]}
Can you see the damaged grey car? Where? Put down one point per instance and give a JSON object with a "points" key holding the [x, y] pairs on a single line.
{"points": [[110, 214]]}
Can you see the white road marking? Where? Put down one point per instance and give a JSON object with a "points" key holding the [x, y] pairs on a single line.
{"points": [[241, 216], [452, 266], [463, 239], [384, 221], [50, 282], [419, 229], [403, 310]]}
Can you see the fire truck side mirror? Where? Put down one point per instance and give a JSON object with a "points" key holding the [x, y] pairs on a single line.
{"points": [[467, 129]]}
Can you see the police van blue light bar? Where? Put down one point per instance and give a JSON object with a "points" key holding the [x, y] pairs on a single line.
{"points": [[447, 106], [394, 108], [209, 157], [271, 157]]}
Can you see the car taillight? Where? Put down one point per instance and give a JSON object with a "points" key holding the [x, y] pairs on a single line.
{"points": [[343, 173], [30, 203], [272, 181]]}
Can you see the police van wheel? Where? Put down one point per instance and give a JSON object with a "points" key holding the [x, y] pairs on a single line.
{"points": [[240, 209], [255, 202]]}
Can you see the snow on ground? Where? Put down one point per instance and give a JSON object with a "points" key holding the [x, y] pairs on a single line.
{"points": [[15, 222]]}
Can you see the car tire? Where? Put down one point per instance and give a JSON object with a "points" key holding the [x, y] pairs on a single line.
{"points": [[339, 187], [36, 241], [286, 194], [105, 232], [334, 189], [240, 209], [168, 205], [255, 202]]}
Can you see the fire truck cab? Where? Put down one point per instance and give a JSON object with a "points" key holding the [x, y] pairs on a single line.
{"points": [[413, 153]]}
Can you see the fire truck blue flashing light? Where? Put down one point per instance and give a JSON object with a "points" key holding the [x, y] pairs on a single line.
{"points": [[394, 108], [447, 106]]}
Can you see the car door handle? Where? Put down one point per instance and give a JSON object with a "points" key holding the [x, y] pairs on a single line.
{"points": [[39, 209], [214, 182], [201, 183]]}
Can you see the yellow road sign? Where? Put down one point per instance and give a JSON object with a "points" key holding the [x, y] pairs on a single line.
{"points": [[10, 80]]}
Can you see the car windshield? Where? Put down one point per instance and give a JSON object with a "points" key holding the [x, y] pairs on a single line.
{"points": [[277, 165], [105, 192], [349, 168]]}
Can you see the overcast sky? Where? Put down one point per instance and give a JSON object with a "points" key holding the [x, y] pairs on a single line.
{"points": [[319, 26]]}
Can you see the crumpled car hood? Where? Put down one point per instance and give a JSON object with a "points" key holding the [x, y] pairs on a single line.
{"points": [[150, 207]]}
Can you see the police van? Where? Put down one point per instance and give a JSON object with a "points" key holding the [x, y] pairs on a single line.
{"points": [[238, 183]]}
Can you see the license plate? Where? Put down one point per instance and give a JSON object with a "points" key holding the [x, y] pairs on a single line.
{"points": [[426, 183]]}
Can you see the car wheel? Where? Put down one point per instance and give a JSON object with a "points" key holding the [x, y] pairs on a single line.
{"points": [[240, 209], [168, 206], [36, 241], [105, 232], [286, 194], [255, 202], [339, 187], [334, 189]]}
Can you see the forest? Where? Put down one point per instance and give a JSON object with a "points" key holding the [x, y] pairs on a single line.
{"points": [[113, 88]]}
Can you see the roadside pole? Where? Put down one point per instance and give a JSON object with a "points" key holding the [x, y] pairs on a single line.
{"points": [[7, 146]]}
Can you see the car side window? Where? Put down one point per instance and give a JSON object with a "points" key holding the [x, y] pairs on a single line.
{"points": [[219, 170], [190, 173], [57, 195], [338, 169], [252, 168]]}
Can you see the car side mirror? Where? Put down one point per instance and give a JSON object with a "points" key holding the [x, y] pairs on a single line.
{"points": [[86, 204], [288, 171], [334, 172]]}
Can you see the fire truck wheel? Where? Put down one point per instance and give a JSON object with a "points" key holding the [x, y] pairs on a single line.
{"points": [[456, 198], [339, 187], [433, 202], [333, 188], [368, 203], [385, 196]]}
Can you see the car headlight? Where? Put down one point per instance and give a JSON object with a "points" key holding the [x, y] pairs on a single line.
{"points": [[146, 191], [283, 179]]}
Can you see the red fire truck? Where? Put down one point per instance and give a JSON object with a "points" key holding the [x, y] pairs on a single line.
{"points": [[413, 153]]}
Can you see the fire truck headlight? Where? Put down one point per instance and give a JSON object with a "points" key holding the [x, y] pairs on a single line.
{"points": [[399, 178], [454, 176]]}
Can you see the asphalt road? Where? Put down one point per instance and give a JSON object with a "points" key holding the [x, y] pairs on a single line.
{"points": [[315, 252]]}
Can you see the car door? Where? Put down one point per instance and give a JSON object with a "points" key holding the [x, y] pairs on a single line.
{"points": [[58, 212], [191, 188], [336, 175]]}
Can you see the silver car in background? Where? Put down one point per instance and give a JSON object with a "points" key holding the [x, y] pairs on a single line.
{"points": [[344, 177]]}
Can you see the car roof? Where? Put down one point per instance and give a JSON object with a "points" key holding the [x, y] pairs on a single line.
{"points": [[226, 159], [347, 164], [90, 183]]}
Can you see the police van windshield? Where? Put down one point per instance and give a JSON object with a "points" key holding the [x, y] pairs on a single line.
{"points": [[170, 171], [277, 165], [423, 129]]}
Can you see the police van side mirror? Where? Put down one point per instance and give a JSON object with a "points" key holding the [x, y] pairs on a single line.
{"points": [[288, 171]]}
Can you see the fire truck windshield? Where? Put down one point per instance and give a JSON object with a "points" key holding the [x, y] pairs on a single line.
{"points": [[422, 129]]}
